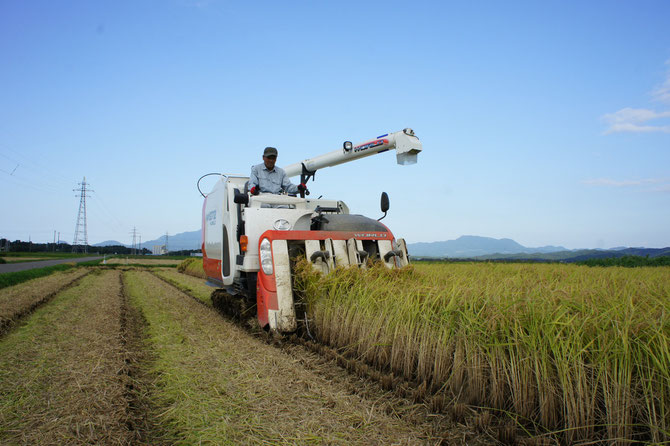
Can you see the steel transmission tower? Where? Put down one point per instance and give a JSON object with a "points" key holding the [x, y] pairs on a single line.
{"points": [[81, 231], [133, 249]]}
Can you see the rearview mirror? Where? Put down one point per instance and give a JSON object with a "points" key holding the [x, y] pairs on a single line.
{"points": [[385, 202]]}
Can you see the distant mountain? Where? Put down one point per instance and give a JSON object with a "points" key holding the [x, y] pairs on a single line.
{"points": [[474, 246], [177, 242], [110, 243]]}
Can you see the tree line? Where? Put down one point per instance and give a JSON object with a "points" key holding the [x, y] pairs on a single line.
{"points": [[63, 247]]}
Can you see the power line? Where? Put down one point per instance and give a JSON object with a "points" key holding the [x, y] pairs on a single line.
{"points": [[97, 199], [30, 159]]}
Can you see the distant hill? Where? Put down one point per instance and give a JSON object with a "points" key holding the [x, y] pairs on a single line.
{"points": [[110, 243], [474, 246], [642, 252], [177, 242]]}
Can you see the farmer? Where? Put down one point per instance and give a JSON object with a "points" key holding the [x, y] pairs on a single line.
{"points": [[268, 178]]}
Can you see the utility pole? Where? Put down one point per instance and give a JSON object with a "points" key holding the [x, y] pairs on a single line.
{"points": [[81, 230], [134, 233], [166, 243]]}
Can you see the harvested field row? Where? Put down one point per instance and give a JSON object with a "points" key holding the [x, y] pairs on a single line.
{"points": [[19, 300], [191, 285], [63, 374], [216, 384]]}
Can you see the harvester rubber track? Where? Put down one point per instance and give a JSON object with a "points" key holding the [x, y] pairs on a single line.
{"points": [[238, 307]]}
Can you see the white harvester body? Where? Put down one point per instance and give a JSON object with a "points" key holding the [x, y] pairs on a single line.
{"points": [[249, 240]]}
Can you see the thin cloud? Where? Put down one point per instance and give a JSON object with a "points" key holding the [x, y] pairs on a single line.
{"points": [[645, 185], [636, 120], [634, 115], [624, 183], [663, 189], [631, 120], [662, 92], [634, 128]]}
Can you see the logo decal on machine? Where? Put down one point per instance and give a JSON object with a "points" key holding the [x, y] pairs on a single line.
{"points": [[371, 144], [211, 217], [371, 234]]}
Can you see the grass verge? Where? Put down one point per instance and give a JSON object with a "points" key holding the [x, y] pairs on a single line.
{"points": [[9, 279], [193, 286]]}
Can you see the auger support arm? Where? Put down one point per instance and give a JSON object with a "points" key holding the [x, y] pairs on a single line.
{"points": [[405, 143]]}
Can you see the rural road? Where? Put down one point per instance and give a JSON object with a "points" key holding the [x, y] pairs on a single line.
{"points": [[14, 267]]}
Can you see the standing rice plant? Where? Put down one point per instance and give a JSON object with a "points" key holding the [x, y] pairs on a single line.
{"points": [[581, 352]]}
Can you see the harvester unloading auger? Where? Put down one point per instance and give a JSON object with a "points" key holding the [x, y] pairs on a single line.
{"points": [[249, 241]]}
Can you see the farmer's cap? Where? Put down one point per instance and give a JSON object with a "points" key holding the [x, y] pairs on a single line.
{"points": [[270, 151]]}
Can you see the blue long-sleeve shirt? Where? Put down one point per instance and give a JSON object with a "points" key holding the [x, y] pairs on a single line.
{"points": [[272, 181]]}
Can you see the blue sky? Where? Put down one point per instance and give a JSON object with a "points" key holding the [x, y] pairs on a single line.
{"points": [[545, 122]]}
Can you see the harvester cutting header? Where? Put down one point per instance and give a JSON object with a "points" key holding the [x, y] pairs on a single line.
{"points": [[250, 239]]}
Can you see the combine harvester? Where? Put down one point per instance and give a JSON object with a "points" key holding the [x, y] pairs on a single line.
{"points": [[250, 241]]}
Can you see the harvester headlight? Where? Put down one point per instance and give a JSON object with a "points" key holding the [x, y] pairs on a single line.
{"points": [[266, 256], [347, 146], [282, 225]]}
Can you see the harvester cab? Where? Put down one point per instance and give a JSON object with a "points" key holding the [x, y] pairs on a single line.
{"points": [[251, 241]]}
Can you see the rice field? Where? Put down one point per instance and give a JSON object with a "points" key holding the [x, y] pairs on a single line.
{"points": [[550, 354], [569, 353]]}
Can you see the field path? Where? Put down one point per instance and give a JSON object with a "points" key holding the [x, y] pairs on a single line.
{"points": [[216, 384], [62, 373]]}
